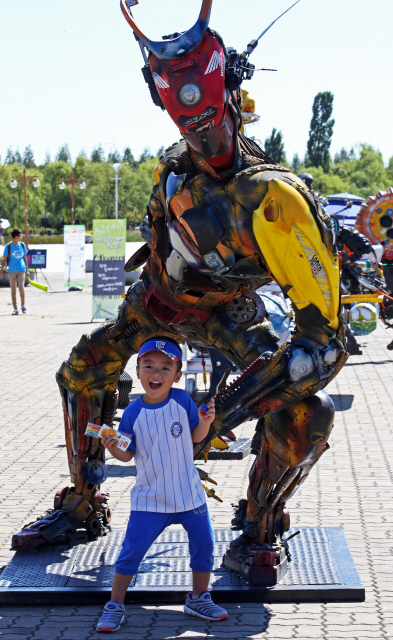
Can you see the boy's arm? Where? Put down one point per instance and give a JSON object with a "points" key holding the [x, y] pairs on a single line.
{"points": [[26, 263], [110, 443], [201, 429]]}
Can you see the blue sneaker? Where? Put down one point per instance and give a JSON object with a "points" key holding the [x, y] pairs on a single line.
{"points": [[112, 617], [204, 607]]}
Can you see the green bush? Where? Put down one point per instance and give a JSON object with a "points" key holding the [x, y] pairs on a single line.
{"points": [[46, 239], [134, 236]]}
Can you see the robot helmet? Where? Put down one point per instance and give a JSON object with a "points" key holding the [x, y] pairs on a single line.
{"points": [[193, 93], [188, 72], [307, 178], [187, 76]]}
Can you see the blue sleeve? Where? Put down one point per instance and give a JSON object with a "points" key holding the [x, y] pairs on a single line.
{"points": [[127, 420], [185, 400], [25, 250]]}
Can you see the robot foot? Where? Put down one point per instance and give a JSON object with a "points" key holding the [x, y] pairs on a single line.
{"points": [[73, 520], [263, 564]]}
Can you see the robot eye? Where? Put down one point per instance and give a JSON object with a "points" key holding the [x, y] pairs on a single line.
{"points": [[190, 95]]}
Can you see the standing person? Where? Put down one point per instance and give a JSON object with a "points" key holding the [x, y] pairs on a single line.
{"points": [[15, 254], [163, 424], [1, 233]]}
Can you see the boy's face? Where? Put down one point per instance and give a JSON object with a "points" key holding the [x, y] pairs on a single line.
{"points": [[157, 373]]}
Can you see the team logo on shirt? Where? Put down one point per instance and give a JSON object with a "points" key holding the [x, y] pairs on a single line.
{"points": [[160, 344], [176, 429]]}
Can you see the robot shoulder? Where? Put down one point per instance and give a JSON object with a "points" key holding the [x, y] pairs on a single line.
{"points": [[249, 187], [174, 159]]}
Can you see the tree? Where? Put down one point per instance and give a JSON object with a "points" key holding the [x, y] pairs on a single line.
{"points": [[389, 171], [296, 164], [145, 155], [9, 158], [128, 157], [28, 158], [12, 200], [97, 155], [63, 155], [344, 156], [13, 157], [274, 147], [321, 131], [114, 156], [47, 157]]}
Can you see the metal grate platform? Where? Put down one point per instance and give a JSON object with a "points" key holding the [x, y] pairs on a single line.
{"points": [[238, 449], [322, 570]]}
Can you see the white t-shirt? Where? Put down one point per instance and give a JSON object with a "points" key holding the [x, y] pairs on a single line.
{"points": [[167, 480]]}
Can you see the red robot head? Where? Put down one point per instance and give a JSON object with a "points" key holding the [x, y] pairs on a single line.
{"points": [[188, 71], [193, 92]]}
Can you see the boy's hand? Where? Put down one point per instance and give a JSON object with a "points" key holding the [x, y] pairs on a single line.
{"points": [[207, 417], [110, 443]]}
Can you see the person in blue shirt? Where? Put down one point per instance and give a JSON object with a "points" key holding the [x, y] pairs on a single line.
{"points": [[163, 424], [15, 254]]}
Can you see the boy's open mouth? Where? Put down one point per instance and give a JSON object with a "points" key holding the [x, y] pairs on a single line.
{"points": [[154, 385]]}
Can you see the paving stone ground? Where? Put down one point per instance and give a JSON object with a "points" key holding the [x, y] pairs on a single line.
{"points": [[352, 485]]}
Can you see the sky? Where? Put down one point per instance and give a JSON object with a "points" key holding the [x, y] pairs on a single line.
{"points": [[71, 71]]}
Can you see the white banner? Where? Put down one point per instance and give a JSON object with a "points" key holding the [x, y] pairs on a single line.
{"points": [[74, 255]]}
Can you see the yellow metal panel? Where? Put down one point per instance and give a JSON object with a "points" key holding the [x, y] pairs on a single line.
{"points": [[292, 247]]}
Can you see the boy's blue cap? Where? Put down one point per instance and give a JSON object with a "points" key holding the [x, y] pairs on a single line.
{"points": [[167, 347]]}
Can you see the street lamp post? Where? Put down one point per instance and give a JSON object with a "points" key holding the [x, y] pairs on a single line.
{"points": [[36, 183], [72, 181], [116, 166]]}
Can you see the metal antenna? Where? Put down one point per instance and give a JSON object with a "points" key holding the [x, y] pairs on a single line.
{"points": [[283, 14]]}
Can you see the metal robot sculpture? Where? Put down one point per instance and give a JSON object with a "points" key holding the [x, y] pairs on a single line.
{"points": [[223, 219]]}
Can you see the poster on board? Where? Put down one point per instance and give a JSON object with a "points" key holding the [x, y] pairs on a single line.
{"points": [[36, 258], [74, 255], [109, 249]]}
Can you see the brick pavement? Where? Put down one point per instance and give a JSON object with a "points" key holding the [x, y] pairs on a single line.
{"points": [[352, 486]]}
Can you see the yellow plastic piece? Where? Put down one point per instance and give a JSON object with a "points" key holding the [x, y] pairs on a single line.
{"points": [[294, 252], [248, 109], [219, 444], [361, 298], [211, 493], [157, 171]]}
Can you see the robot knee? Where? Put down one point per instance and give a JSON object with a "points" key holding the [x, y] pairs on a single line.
{"points": [[299, 435]]}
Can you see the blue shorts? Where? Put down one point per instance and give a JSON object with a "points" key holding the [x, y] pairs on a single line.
{"points": [[145, 526]]}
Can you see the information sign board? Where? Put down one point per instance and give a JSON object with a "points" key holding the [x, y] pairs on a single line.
{"points": [[36, 258], [109, 247], [74, 255]]}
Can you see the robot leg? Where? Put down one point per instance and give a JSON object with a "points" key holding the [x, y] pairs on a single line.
{"points": [[88, 383], [291, 442]]}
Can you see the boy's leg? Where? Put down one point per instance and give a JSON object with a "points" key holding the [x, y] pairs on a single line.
{"points": [[198, 525], [12, 281], [21, 285], [142, 530]]}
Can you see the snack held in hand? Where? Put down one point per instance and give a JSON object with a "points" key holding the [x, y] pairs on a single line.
{"points": [[98, 431]]}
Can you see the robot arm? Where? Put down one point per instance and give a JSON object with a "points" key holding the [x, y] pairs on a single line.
{"points": [[307, 269]]}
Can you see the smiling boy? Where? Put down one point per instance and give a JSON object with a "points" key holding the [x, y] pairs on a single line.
{"points": [[163, 424]]}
